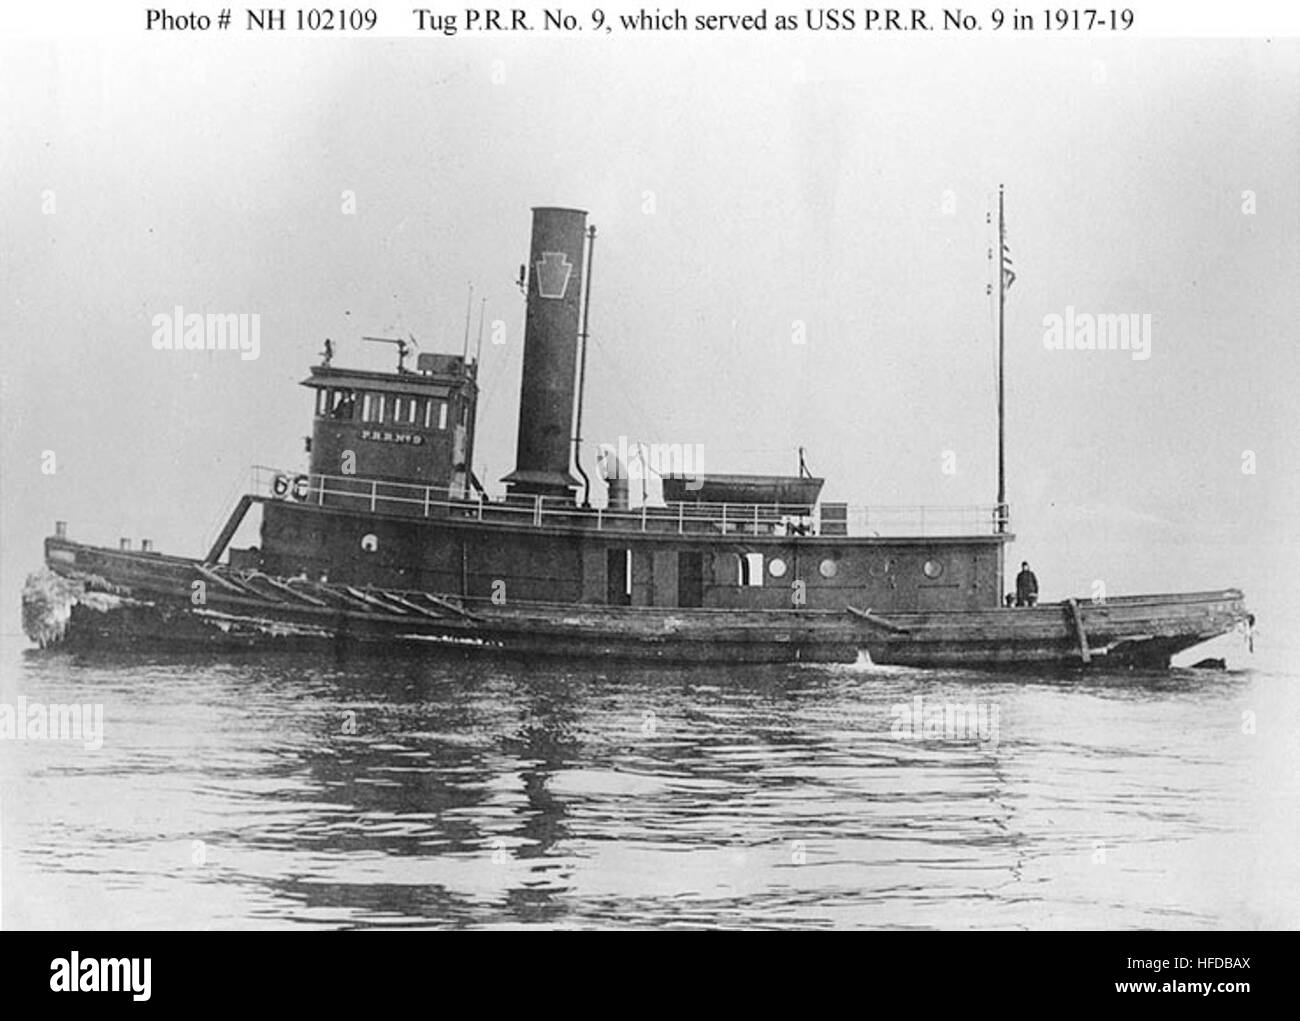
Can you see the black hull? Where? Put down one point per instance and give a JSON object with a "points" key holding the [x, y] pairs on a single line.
{"points": [[107, 599]]}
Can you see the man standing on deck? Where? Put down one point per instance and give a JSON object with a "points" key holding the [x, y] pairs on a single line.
{"points": [[1026, 586]]}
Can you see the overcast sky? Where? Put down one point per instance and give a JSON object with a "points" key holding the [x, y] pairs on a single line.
{"points": [[738, 188]]}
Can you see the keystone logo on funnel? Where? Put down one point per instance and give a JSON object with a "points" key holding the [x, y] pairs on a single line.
{"points": [[553, 271]]}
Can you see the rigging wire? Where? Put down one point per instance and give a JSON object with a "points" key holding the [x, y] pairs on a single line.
{"points": [[643, 418], [489, 383]]}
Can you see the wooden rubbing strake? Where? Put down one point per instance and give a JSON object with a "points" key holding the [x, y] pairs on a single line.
{"points": [[371, 600], [1076, 618], [226, 583], [450, 607], [395, 598], [878, 621], [282, 587], [342, 599]]}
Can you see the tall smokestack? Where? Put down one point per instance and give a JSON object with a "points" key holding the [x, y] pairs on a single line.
{"points": [[546, 395]]}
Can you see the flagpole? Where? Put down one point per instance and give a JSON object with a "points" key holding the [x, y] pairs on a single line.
{"points": [[1002, 306]]}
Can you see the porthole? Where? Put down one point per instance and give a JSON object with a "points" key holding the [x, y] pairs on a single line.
{"points": [[776, 567], [828, 568], [370, 542], [933, 569]]}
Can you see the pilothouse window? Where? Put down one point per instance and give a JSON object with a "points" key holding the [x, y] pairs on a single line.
{"points": [[372, 408], [343, 404]]}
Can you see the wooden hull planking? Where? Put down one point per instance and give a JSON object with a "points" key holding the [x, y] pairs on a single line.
{"points": [[117, 599]]}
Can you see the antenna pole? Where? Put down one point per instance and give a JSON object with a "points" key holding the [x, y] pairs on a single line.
{"points": [[482, 313], [469, 304], [582, 368], [1002, 348]]}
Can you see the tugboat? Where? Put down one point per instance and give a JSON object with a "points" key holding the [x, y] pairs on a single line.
{"points": [[388, 540]]}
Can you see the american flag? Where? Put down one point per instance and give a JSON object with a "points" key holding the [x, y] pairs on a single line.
{"points": [[1008, 274]]}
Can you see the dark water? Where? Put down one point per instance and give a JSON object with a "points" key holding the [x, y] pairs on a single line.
{"points": [[233, 794]]}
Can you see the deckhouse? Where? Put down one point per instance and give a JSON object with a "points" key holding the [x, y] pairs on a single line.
{"points": [[391, 498]]}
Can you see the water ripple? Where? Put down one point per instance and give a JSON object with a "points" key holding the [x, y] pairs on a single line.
{"points": [[301, 792]]}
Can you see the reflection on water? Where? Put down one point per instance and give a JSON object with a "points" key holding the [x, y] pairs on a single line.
{"points": [[290, 791]]}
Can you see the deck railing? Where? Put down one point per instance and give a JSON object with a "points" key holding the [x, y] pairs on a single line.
{"points": [[822, 519]]}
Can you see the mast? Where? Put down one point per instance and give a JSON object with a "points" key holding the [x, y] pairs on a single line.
{"points": [[1002, 348]]}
